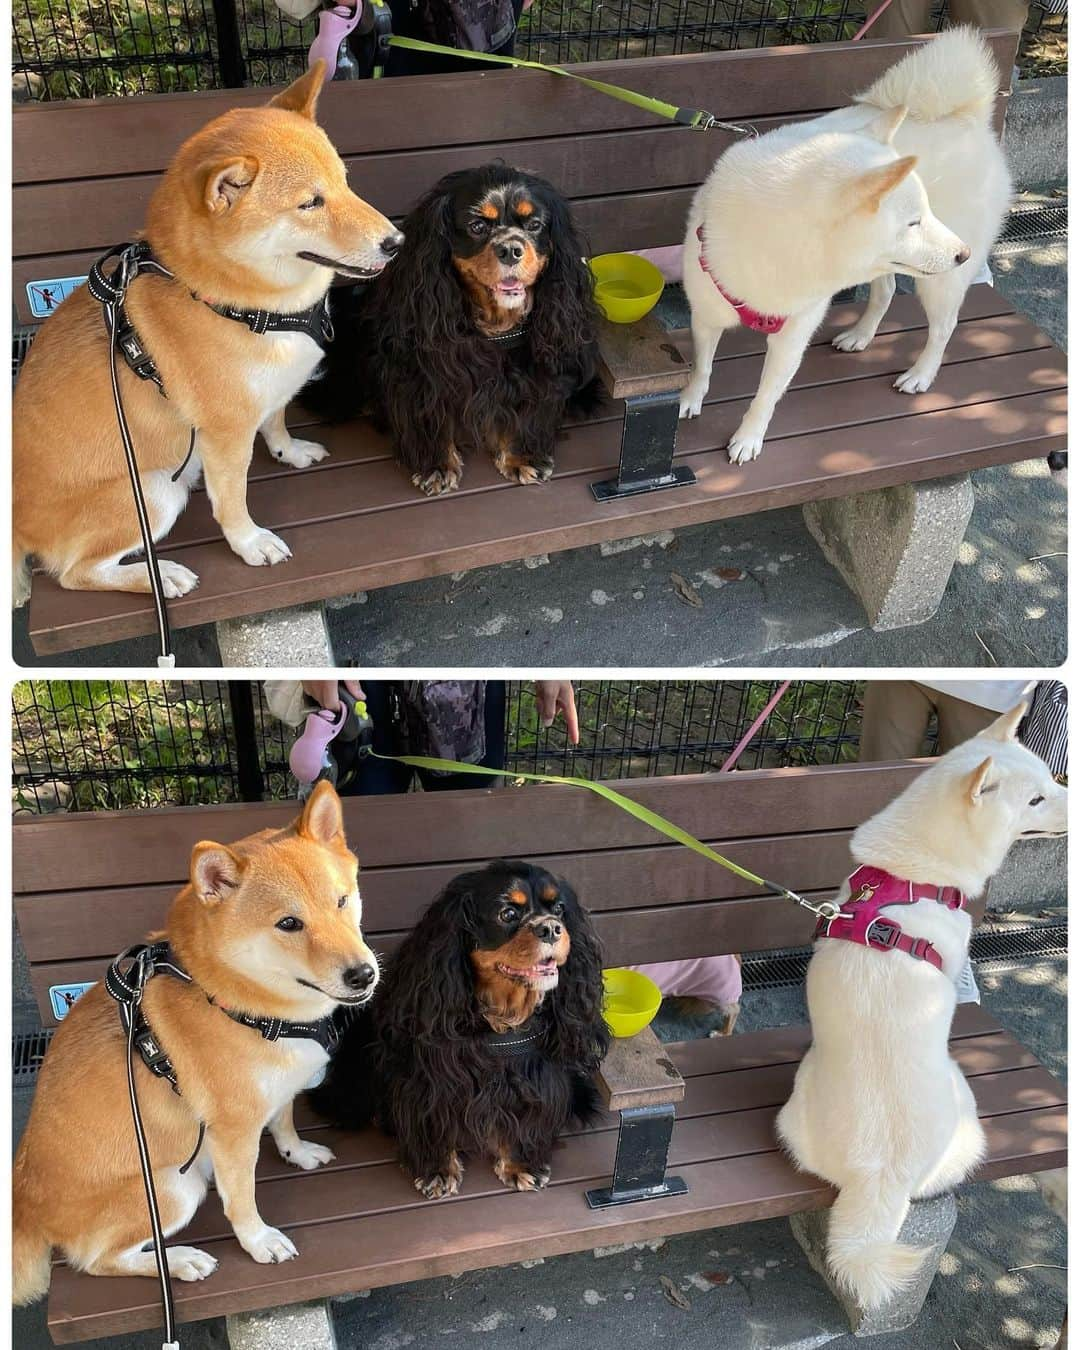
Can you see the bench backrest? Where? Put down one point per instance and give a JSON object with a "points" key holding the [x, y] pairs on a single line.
{"points": [[84, 170], [89, 884]]}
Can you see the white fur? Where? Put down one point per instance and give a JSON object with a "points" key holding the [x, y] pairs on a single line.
{"points": [[787, 223], [879, 1108]]}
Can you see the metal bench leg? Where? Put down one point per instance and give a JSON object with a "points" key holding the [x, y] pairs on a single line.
{"points": [[895, 547], [301, 1326], [282, 637], [650, 429], [929, 1225], [640, 1159]]}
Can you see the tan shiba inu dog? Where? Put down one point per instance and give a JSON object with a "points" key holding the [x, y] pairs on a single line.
{"points": [[254, 213], [268, 927]]}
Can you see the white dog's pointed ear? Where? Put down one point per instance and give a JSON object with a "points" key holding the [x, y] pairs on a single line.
{"points": [[873, 187], [215, 871], [322, 819], [884, 126], [302, 95], [976, 783], [1005, 728], [225, 182]]}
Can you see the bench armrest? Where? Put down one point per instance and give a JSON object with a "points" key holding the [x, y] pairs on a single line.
{"points": [[643, 358], [638, 1072]]}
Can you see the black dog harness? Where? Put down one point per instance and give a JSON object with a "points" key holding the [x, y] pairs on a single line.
{"points": [[517, 1041], [514, 337]]}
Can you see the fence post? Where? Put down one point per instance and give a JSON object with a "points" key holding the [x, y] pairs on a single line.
{"points": [[231, 64], [248, 770]]}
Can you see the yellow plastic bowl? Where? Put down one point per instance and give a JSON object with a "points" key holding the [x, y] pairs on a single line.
{"points": [[626, 287], [631, 1001]]}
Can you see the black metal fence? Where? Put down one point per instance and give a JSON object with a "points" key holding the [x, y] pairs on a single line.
{"points": [[91, 48], [91, 745]]}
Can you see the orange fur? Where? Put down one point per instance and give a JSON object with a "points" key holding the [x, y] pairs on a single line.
{"points": [[76, 1183], [226, 220]]}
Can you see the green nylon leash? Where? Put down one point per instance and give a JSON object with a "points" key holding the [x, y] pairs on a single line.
{"points": [[826, 909], [695, 118]]}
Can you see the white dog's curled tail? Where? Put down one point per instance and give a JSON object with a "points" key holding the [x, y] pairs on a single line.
{"points": [[954, 75], [863, 1254]]}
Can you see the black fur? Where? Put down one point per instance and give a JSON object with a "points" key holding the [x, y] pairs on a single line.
{"points": [[407, 350], [418, 1064]]}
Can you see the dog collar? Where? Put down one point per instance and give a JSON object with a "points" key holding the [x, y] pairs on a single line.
{"points": [[749, 318], [513, 338], [517, 1041], [860, 919]]}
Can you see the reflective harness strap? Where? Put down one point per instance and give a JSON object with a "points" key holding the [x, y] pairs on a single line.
{"points": [[860, 919]]}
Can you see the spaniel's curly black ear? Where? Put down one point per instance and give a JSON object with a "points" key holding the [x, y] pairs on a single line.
{"points": [[565, 317], [579, 1033]]}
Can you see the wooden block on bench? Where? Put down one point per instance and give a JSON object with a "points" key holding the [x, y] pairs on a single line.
{"points": [[639, 1072], [644, 358]]}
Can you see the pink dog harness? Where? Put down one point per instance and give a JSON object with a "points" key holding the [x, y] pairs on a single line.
{"points": [[750, 318], [860, 918]]}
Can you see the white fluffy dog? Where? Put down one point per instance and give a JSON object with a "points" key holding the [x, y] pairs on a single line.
{"points": [[879, 1108], [787, 219]]}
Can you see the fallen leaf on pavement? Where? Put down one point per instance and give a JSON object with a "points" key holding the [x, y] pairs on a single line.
{"points": [[684, 591], [717, 1276], [674, 1294], [730, 573]]}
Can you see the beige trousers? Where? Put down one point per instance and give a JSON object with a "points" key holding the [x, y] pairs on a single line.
{"points": [[896, 714], [913, 16]]}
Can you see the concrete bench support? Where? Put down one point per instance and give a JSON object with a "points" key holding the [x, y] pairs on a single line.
{"points": [[296, 637], [929, 1224], [895, 547], [304, 1326]]}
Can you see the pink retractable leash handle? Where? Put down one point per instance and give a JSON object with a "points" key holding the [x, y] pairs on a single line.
{"points": [[335, 25], [308, 754]]}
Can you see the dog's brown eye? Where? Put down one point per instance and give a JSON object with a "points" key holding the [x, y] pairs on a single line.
{"points": [[558, 909], [343, 902], [289, 924], [509, 914], [1036, 800], [314, 204], [478, 228], [535, 226]]}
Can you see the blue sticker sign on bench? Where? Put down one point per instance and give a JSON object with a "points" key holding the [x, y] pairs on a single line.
{"points": [[45, 296], [64, 996]]}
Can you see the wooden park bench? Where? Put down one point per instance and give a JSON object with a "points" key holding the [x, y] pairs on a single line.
{"points": [[83, 174], [87, 885]]}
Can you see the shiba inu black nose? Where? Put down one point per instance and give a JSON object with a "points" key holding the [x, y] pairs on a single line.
{"points": [[963, 256], [391, 245], [358, 977], [510, 251], [548, 931]]}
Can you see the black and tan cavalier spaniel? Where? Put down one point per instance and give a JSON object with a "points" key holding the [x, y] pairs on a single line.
{"points": [[484, 1034], [481, 336]]}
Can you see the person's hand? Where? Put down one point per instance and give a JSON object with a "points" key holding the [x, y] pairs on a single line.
{"points": [[554, 696], [325, 692]]}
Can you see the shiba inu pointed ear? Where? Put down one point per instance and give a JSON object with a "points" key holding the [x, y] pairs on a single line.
{"points": [[215, 871], [322, 819], [303, 94], [885, 125], [873, 187], [976, 783], [226, 181], [1005, 728]]}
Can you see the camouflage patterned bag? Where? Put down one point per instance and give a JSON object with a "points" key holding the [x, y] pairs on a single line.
{"points": [[440, 718]]}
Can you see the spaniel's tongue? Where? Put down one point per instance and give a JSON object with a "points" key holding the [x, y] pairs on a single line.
{"points": [[510, 286]]}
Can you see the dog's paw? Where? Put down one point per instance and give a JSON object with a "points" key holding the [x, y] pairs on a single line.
{"points": [[307, 1156], [301, 454], [530, 473], [438, 481], [744, 446], [517, 1177], [262, 549], [176, 580], [438, 1186], [693, 396], [269, 1247], [914, 381], [190, 1264], [853, 340]]}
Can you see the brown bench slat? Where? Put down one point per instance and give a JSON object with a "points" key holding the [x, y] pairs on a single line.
{"points": [[87, 849], [337, 558], [1025, 1126], [53, 141]]}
